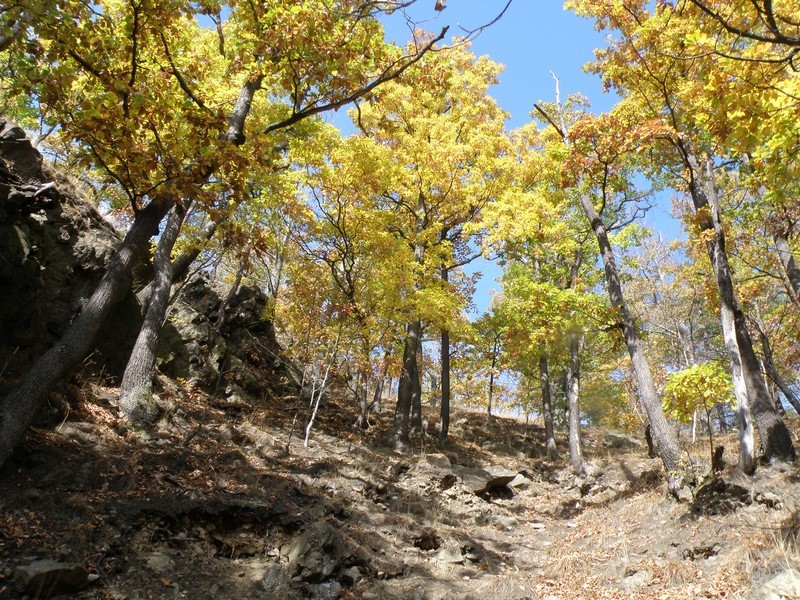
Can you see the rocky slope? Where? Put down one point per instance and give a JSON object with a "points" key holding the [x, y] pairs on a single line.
{"points": [[223, 501]]}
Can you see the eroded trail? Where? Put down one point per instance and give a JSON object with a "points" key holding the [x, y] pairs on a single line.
{"points": [[213, 506]]}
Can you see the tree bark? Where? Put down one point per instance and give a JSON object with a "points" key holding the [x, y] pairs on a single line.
{"points": [[180, 266], [775, 438], [405, 387], [665, 438], [788, 262], [573, 394], [136, 391], [444, 408], [223, 307], [547, 408], [772, 370], [19, 407], [744, 419], [416, 388]]}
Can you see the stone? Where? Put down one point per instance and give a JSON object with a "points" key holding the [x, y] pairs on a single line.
{"points": [[160, 563], [277, 584], [46, 578], [449, 554], [504, 522], [684, 494], [620, 441], [520, 482], [636, 580], [438, 460], [316, 553], [783, 585]]}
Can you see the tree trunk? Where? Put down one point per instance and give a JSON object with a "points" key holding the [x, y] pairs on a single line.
{"points": [[136, 391], [223, 307], [19, 407], [667, 445], [775, 438], [788, 262], [405, 387], [180, 266], [772, 370], [547, 408], [416, 388], [444, 408], [573, 382]]}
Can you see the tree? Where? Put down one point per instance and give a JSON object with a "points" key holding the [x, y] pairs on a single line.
{"points": [[650, 66], [166, 137], [701, 386], [600, 167], [446, 143]]}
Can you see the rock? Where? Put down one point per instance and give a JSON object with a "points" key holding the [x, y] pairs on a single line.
{"points": [[330, 590], [46, 578], [438, 460], [636, 581], [277, 584], [488, 479], [620, 441], [160, 563], [783, 585], [504, 522], [684, 494], [450, 554], [351, 576], [316, 554], [769, 500], [520, 482]]}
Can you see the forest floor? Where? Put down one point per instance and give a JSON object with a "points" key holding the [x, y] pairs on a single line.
{"points": [[221, 503]]}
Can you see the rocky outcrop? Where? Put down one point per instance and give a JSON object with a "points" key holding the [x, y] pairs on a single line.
{"points": [[54, 247]]}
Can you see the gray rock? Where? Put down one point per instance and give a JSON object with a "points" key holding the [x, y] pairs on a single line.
{"points": [[46, 578], [450, 554], [160, 563], [620, 441], [277, 584], [636, 581], [783, 585], [315, 554], [504, 522], [488, 479], [684, 494], [520, 482], [438, 460]]}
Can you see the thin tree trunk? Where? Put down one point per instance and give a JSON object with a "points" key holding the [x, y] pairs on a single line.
{"points": [[547, 408], [223, 307], [416, 388], [20, 406], [444, 407], [772, 370], [572, 384], [136, 391], [787, 260], [180, 266], [744, 419], [775, 438], [665, 438]]}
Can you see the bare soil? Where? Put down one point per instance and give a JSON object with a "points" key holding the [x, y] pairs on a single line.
{"points": [[222, 502]]}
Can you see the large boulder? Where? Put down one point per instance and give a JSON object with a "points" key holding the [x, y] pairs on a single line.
{"points": [[54, 248]]}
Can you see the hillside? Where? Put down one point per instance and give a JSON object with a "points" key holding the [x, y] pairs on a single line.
{"points": [[223, 502]]}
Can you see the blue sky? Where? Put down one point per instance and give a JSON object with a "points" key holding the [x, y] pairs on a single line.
{"points": [[532, 39]]}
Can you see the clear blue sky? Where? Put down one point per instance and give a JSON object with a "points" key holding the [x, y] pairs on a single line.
{"points": [[533, 38]]}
